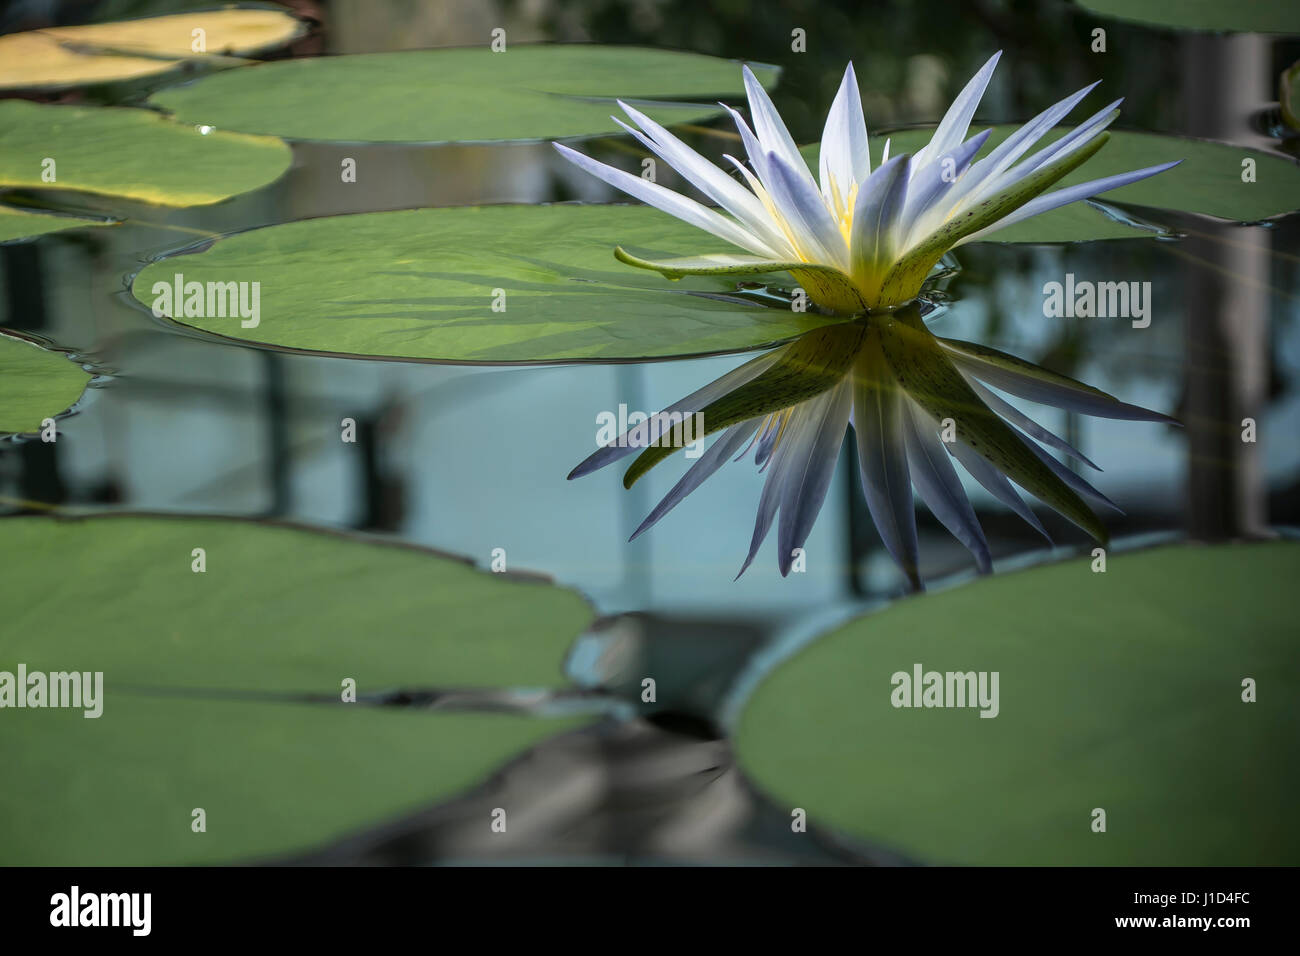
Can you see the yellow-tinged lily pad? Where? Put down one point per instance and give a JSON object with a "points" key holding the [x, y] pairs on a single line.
{"points": [[61, 57], [131, 153], [35, 383], [23, 224]]}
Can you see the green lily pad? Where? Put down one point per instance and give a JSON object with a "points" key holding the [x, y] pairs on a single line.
{"points": [[421, 284], [271, 778], [459, 95], [1119, 690], [35, 383], [21, 224], [277, 609], [132, 153], [1256, 16], [61, 57]]}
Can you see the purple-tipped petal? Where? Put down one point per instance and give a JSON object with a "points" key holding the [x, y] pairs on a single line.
{"points": [[767, 503], [771, 129], [995, 483], [1063, 197], [675, 204], [812, 463], [1019, 419], [956, 121], [801, 205], [766, 442], [1094, 125], [703, 468], [987, 176], [651, 429], [705, 176], [939, 487], [1029, 381], [882, 458], [937, 177], [1076, 483]]}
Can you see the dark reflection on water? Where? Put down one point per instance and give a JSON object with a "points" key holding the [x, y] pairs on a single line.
{"points": [[469, 459]]}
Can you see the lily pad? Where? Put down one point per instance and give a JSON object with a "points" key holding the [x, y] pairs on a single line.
{"points": [[422, 284], [277, 608], [132, 153], [271, 778], [35, 383], [61, 57], [1257, 16], [22, 224], [1120, 690], [459, 95]]}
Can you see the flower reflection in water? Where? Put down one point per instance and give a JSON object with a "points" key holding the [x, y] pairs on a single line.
{"points": [[914, 400]]}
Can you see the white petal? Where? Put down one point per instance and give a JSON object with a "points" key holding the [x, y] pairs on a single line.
{"points": [[844, 156], [952, 128], [675, 204], [878, 214], [1063, 197], [986, 177], [995, 483], [771, 496], [650, 430], [1075, 139], [1026, 380], [770, 128], [939, 487], [753, 148], [703, 468], [882, 459], [812, 465], [1071, 480], [926, 189], [801, 206], [1019, 419], [702, 174]]}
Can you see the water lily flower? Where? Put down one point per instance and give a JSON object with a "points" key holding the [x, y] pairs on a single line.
{"points": [[905, 392], [861, 239]]}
